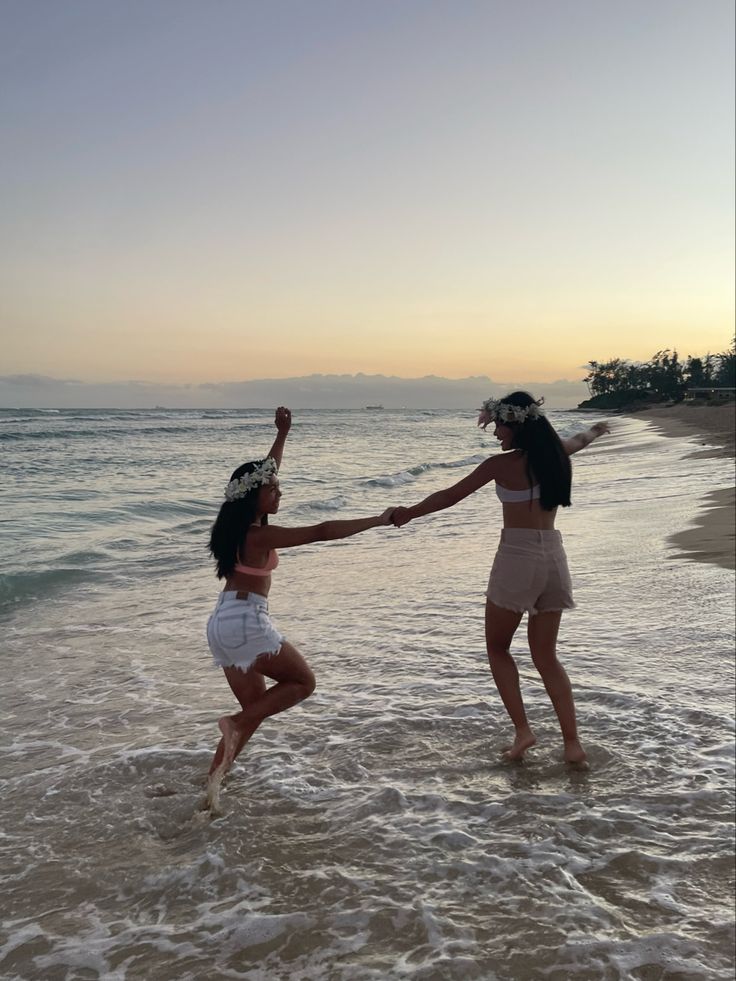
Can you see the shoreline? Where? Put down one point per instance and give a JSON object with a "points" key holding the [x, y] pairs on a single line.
{"points": [[713, 538]]}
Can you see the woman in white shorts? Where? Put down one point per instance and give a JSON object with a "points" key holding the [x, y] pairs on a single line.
{"points": [[529, 575], [243, 640]]}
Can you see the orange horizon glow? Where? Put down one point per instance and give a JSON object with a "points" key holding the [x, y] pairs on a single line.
{"points": [[497, 199]]}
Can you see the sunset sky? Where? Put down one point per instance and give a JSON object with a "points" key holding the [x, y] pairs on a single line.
{"points": [[218, 191]]}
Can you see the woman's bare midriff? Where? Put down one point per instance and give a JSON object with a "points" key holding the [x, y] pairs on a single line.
{"points": [[242, 582], [523, 514]]}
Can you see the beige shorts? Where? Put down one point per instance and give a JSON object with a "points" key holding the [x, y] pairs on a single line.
{"points": [[530, 572]]}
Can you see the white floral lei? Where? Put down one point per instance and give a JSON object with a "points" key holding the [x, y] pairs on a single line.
{"points": [[263, 474], [494, 410]]}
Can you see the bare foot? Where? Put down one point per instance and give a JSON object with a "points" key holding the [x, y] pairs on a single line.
{"points": [[523, 741], [575, 754], [231, 736]]}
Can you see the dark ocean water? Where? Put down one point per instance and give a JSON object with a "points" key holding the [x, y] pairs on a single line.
{"points": [[372, 832]]}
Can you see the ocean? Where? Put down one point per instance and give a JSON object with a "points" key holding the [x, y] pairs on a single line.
{"points": [[372, 832]]}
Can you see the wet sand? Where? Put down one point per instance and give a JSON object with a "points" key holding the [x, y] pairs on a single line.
{"points": [[713, 539], [715, 423]]}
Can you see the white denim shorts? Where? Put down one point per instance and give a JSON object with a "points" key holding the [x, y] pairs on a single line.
{"points": [[530, 573], [240, 630]]}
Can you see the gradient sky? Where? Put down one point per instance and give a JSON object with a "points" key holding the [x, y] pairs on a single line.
{"points": [[213, 191]]}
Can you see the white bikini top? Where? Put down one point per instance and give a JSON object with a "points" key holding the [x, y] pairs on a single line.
{"points": [[512, 496]]}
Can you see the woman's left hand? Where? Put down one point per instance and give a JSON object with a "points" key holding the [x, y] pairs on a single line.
{"points": [[283, 420], [400, 517]]}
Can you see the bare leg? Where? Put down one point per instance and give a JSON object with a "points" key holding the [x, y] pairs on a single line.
{"points": [[248, 687], [500, 628], [542, 632], [294, 683]]}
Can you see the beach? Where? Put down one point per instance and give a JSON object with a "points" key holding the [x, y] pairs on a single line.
{"points": [[374, 832], [715, 423], [713, 537]]}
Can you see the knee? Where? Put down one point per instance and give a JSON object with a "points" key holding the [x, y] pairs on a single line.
{"points": [[497, 651], [545, 661], [307, 683]]}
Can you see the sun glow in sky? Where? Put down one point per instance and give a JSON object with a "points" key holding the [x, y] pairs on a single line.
{"points": [[201, 192]]}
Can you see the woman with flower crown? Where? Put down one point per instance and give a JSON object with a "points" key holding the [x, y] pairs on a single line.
{"points": [[242, 638], [529, 574]]}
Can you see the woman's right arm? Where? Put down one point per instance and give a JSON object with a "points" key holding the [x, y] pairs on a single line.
{"points": [[282, 421], [578, 442], [447, 498], [271, 536]]}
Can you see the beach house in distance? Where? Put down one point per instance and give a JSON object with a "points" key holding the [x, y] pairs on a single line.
{"points": [[715, 395]]}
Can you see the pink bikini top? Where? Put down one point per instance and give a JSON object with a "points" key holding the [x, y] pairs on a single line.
{"points": [[265, 570]]}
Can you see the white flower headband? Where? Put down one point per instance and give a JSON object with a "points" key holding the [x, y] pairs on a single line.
{"points": [[495, 410], [263, 474]]}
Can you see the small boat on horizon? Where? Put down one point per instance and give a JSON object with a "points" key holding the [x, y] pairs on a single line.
{"points": [[374, 407]]}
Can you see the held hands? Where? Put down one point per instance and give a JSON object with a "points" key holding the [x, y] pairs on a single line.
{"points": [[394, 516], [389, 517], [283, 420], [400, 517]]}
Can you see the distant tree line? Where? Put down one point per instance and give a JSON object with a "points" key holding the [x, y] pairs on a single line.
{"points": [[664, 376]]}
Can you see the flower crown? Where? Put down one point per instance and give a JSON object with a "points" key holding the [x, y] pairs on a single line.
{"points": [[263, 474], [496, 410]]}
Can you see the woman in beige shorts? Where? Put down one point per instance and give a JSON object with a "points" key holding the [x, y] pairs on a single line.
{"points": [[529, 574]]}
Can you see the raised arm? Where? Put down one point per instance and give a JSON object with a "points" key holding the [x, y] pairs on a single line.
{"points": [[578, 442], [271, 536], [282, 422], [450, 496]]}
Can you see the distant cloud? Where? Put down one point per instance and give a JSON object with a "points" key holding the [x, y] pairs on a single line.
{"points": [[306, 392], [36, 381]]}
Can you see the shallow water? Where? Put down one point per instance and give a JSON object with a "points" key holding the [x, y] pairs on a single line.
{"points": [[372, 832]]}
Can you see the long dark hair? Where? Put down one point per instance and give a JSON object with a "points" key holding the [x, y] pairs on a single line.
{"points": [[232, 523], [547, 463]]}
